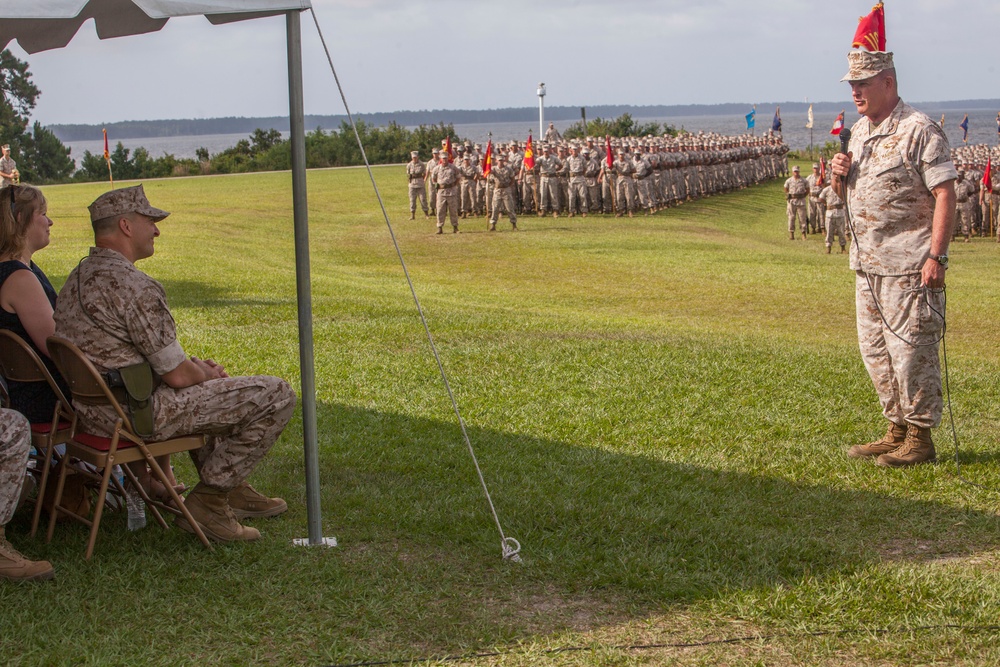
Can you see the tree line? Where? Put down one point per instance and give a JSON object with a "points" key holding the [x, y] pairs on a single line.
{"points": [[42, 158]]}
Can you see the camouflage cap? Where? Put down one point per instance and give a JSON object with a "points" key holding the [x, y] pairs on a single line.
{"points": [[122, 201], [414, 154], [865, 64]]}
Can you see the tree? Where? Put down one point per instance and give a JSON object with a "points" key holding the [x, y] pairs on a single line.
{"points": [[40, 156], [19, 95], [623, 126], [46, 159]]}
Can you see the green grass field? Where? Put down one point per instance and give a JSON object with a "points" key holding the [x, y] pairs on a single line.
{"points": [[661, 407]]}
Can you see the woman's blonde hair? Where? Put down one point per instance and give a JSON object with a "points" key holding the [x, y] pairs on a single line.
{"points": [[18, 205]]}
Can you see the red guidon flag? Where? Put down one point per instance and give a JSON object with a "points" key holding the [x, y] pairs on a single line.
{"points": [[447, 149], [987, 176], [488, 158], [871, 30], [529, 154], [107, 155], [838, 124], [607, 145], [822, 170]]}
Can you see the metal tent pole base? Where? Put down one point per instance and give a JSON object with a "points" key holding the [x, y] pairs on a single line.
{"points": [[324, 542]]}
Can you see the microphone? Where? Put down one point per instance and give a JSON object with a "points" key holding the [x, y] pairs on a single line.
{"points": [[845, 138]]}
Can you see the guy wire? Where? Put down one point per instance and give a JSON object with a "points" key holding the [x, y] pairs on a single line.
{"points": [[510, 547]]}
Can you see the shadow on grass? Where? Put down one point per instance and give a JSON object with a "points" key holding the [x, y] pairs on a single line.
{"points": [[607, 537]]}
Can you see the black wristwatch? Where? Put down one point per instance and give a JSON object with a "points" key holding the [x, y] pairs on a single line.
{"points": [[940, 259]]}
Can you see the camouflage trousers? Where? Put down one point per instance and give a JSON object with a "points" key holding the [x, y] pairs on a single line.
{"points": [[817, 214], [242, 418], [625, 194], [549, 189], [447, 206], [502, 197], [796, 208], [417, 191], [15, 442], [529, 193], [835, 227], [577, 200], [906, 373], [965, 217]]}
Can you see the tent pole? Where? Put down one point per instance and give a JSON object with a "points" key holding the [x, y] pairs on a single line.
{"points": [[296, 112]]}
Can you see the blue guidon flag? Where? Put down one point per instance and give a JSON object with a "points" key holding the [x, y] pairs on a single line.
{"points": [[965, 129], [776, 123], [752, 118]]}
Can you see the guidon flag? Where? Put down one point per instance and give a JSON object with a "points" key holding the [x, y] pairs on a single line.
{"points": [[529, 153], [838, 124], [488, 158], [871, 31]]}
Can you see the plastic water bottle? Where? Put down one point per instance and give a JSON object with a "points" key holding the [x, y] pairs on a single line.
{"points": [[136, 509]]}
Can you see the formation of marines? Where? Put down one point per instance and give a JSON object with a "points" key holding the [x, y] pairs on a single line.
{"points": [[977, 208], [571, 178]]}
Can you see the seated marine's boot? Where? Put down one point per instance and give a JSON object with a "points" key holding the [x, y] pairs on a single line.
{"points": [[917, 448], [249, 503], [893, 438], [15, 567], [210, 509]]}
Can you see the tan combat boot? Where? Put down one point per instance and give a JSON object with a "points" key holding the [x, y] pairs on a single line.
{"points": [[15, 567], [493, 226], [210, 509], [893, 438], [917, 448], [248, 503], [412, 215]]}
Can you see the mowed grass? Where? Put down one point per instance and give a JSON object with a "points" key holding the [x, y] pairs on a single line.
{"points": [[660, 407]]}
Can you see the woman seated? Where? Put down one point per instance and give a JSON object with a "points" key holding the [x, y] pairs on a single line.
{"points": [[26, 295], [27, 300]]}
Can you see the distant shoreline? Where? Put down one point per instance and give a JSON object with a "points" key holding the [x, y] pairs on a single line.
{"points": [[235, 125]]}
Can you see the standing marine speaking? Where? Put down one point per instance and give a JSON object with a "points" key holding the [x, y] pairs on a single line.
{"points": [[898, 180]]}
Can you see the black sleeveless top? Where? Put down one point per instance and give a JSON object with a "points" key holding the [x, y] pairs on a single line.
{"points": [[35, 400]]}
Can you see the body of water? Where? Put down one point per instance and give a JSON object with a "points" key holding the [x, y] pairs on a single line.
{"points": [[982, 130]]}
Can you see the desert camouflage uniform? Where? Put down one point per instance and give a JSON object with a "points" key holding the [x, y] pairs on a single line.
{"points": [[467, 186], [624, 185], [7, 166], [607, 179], [431, 166], [15, 442], [548, 166], [834, 207], [817, 214], [501, 177], [577, 167], [592, 171], [797, 190], [643, 180], [445, 181], [965, 203], [118, 316], [896, 165], [415, 173]]}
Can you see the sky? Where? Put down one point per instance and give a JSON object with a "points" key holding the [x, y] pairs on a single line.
{"points": [[474, 54]]}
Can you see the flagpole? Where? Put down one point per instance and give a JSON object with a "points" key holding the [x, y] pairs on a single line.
{"points": [[489, 203]]}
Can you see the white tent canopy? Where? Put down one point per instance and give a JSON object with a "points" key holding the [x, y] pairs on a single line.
{"points": [[39, 25]]}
